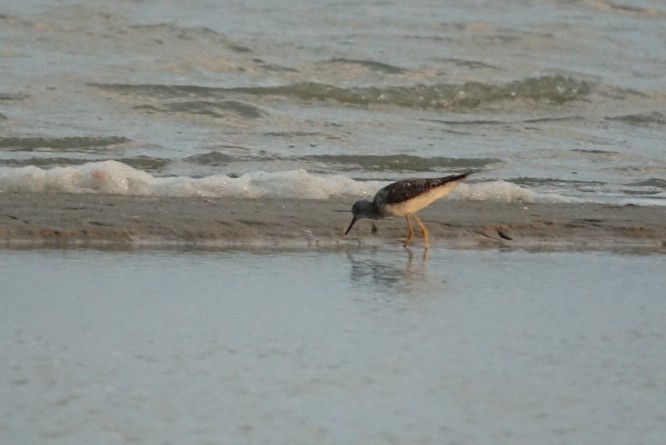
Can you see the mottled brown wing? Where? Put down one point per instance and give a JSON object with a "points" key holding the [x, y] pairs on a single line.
{"points": [[408, 188]]}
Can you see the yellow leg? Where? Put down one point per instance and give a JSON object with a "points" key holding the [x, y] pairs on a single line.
{"points": [[410, 232], [424, 232]]}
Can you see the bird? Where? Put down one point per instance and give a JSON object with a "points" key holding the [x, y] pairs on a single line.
{"points": [[405, 198]]}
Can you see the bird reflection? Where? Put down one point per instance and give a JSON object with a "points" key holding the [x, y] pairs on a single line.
{"points": [[410, 276], [410, 256]]}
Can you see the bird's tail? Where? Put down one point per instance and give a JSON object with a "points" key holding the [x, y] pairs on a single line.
{"points": [[461, 176], [454, 178]]}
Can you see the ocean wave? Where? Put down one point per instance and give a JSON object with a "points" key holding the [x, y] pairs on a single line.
{"points": [[320, 163], [215, 109], [63, 144], [113, 177], [506, 192], [553, 89], [546, 89], [653, 118]]}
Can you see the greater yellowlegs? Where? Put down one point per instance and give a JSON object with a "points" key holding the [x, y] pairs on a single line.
{"points": [[405, 198]]}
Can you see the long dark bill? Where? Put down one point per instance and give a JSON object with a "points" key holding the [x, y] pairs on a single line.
{"points": [[350, 225]]}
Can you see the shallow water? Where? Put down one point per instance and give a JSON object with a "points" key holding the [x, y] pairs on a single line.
{"points": [[332, 347]]}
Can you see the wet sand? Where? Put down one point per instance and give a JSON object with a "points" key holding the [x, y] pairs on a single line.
{"points": [[114, 221]]}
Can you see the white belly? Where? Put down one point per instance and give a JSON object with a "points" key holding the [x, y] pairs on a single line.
{"points": [[413, 205]]}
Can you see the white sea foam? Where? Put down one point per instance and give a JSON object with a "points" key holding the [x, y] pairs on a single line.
{"points": [[117, 178], [502, 191]]}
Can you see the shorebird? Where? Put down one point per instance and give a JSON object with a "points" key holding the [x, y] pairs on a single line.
{"points": [[405, 198]]}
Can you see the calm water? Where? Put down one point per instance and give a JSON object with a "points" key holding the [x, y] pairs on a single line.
{"points": [[565, 98], [470, 347]]}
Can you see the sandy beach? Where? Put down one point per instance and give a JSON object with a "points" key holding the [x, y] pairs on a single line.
{"points": [[97, 220]]}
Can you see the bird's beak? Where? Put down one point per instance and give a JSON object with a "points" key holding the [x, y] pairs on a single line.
{"points": [[350, 225]]}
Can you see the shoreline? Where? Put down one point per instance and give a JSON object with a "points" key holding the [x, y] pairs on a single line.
{"points": [[61, 220]]}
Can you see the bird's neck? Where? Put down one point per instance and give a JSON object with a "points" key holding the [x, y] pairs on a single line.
{"points": [[374, 211]]}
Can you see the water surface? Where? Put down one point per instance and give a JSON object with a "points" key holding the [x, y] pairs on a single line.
{"points": [[322, 347], [565, 98]]}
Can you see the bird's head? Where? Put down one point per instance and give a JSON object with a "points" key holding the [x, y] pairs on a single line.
{"points": [[361, 209]]}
